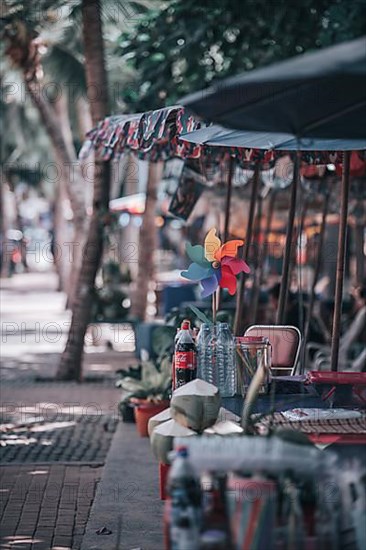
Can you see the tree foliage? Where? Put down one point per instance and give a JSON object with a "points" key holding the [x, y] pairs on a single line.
{"points": [[54, 27], [186, 44]]}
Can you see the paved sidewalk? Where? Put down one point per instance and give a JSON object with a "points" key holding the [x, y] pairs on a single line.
{"points": [[54, 436], [46, 507]]}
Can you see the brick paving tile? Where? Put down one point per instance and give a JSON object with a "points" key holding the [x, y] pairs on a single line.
{"points": [[43, 536], [28, 515], [46, 522], [45, 513], [26, 525], [77, 540], [62, 542]]}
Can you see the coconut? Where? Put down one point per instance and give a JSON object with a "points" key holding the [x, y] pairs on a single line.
{"points": [[225, 414], [158, 419], [162, 438], [196, 405], [226, 427]]}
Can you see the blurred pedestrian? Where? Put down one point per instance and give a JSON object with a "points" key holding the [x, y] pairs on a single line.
{"points": [[355, 334]]}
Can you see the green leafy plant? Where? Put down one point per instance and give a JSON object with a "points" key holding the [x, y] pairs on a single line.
{"points": [[154, 384], [150, 380]]}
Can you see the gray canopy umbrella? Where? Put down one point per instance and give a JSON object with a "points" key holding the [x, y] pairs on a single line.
{"points": [[218, 136], [320, 94]]}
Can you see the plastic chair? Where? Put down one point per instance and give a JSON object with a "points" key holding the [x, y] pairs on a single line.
{"points": [[286, 344]]}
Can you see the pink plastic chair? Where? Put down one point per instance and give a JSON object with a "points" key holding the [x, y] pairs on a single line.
{"points": [[286, 344]]}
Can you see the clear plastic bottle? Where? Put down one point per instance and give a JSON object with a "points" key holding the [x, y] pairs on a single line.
{"points": [[185, 512], [210, 365], [225, 361], [202, 341]]}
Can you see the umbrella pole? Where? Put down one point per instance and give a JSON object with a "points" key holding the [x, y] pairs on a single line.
{"points": [[254, 299], [293, 265], [280, 318], [301, 226], [316, 277], [263, 253], [238, 321], [265, 244], [228, 197], [340, 262]]}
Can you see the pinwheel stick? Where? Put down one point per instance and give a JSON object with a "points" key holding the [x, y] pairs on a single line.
{"points": [[215, 296]]}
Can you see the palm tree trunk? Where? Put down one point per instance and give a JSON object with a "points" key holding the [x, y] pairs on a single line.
{"points": [[84, 124], [131, 186], [68, 267], [70, 367], [4, 221], [147, 242], [65, 155], [83, 115]]}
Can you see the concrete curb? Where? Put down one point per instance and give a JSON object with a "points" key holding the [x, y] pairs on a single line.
{"points": [[127, 499]]}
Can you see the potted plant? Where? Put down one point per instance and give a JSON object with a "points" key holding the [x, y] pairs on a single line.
{"points": [[149, 394]]}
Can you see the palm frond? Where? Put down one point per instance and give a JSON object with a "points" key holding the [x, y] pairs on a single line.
{"points": [[124, 13], [67, 67]]}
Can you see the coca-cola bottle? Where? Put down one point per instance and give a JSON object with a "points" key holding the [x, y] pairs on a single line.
{"points": [[176, 338], [185, 357]]}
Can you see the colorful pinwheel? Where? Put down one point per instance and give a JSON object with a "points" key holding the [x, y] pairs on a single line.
{"points": [[215, 264]]}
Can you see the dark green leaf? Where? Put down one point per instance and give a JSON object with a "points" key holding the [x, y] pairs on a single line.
{"points": [[201, 316]]}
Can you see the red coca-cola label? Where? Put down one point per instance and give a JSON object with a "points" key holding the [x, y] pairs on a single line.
{"points": [[185, 360]]}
